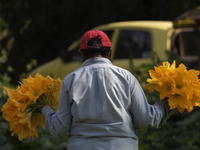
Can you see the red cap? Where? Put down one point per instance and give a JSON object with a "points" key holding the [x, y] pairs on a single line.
{"points": [[94, 33]]}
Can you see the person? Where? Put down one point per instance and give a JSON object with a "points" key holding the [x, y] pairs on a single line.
{"points": [[101, 103]]}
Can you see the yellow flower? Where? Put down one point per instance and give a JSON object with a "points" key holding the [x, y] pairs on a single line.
{"points": [[196, 97], [10, 110], [180, 85], [181, 102], [35, 87], [165, 86], [19, 110]]}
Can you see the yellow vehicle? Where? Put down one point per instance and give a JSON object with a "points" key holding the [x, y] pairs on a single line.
{"points": [[136, 40]]}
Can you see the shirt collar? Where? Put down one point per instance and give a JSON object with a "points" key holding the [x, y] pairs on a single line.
{"points": [[96, 60]]}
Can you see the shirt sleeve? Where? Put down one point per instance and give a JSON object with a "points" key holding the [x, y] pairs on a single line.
{"points": [[142, 112], [59, 122]]}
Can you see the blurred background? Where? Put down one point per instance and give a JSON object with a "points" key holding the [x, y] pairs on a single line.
{"points": [[33, 32], [37, 30]]}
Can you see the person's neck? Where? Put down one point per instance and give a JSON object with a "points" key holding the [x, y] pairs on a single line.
{"points": [[98, 56], [94, 57]]}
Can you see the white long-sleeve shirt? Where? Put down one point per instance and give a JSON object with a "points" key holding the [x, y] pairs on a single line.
{"points": [[99, 105]]}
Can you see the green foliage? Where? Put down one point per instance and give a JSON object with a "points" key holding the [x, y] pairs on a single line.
{"points": [[179, 132]]}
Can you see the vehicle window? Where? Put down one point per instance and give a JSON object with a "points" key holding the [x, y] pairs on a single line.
{"points": [[187, 43], [76, 56], [133, 43]]}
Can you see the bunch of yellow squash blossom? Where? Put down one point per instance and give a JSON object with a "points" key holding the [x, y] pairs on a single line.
{"points": [[181, 86], [22, 103]]}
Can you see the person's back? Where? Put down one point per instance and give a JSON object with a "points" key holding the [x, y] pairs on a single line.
{"points": [[100, 103]]}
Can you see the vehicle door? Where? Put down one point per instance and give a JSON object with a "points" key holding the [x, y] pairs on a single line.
{"points": [[186, 38]]}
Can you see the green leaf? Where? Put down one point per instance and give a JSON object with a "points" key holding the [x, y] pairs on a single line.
{"points": [[2, 139], [6, 147]]}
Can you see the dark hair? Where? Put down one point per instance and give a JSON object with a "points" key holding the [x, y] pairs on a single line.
{"points": [[95, 48]]}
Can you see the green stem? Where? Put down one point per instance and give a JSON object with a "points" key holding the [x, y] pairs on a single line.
{"points": [[170, 112]]}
